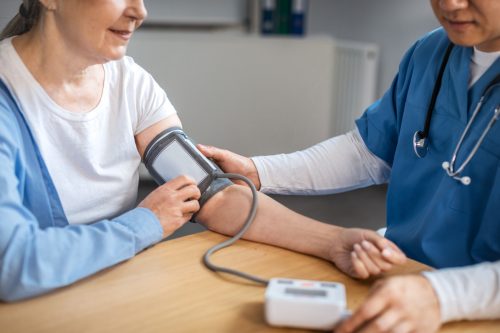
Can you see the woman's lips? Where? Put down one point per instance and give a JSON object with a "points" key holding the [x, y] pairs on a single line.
{"points": [[122, 34]]}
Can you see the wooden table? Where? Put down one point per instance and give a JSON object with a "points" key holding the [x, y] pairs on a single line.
{"points": [[167, 289]]}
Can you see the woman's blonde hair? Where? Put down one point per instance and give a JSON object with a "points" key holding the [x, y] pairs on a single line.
{"points": [[25, 19]]}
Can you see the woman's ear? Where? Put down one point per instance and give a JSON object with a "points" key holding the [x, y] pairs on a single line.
{"points": [[50, 5]]}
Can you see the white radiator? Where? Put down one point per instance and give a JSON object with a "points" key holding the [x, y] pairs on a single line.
{"points": [[354, 83]]}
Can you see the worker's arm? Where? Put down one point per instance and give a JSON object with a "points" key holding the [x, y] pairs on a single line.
{"points": [[335, 165], [470, 293]]}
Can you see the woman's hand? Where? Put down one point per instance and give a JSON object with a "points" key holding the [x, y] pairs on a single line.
{"points": [[174, 203], [400, 304], [363, 253], [232, 163]]}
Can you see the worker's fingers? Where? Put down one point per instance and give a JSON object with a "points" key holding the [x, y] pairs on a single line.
{"points": [[386, 321], [217, 154], [390, 251], [370, 309]]}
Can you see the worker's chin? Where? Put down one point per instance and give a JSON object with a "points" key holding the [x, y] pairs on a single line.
{"points": [[468, 39]]}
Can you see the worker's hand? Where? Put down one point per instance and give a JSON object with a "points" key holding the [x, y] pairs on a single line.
{"points": [[174, 203], [363, 253], [400, 304], [230, 162]]}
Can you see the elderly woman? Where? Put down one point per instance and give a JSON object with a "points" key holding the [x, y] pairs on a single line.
{"points": [[76, 115]]}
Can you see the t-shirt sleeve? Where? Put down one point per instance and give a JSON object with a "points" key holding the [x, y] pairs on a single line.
{"points": [[153, 104]]}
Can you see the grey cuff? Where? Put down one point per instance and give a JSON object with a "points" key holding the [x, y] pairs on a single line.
{"points": [[216, 186]]}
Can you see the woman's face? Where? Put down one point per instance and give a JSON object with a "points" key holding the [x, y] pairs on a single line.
{"points": [[98, 29], [470, 22]]}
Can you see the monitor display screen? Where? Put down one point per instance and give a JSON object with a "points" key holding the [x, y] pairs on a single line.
{"points": [[175, 161]]}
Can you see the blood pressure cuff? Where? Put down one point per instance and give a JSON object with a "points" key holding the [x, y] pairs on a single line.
{"points": [[172, 153]]}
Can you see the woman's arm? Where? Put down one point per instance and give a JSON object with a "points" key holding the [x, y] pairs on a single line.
{"points": [[359, 253], [144, 137], [35, 260], [36, 256]]}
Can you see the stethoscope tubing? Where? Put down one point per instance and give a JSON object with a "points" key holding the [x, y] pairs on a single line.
{"points": [[420, 144], [450, 170]]}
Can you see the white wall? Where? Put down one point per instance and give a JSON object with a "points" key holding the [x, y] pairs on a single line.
{"points": [[248, 94], [392, 24], [8, 8], [195, 11]]}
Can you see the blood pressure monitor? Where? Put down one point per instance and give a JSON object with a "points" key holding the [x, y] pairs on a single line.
{"points": [[307, 304], [289, 302], [172, 154]]}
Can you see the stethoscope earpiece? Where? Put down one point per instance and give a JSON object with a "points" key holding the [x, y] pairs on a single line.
{"points": [[465, 180]]}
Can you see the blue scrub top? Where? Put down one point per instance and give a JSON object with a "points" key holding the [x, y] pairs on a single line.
{"points": [[431, 216]]}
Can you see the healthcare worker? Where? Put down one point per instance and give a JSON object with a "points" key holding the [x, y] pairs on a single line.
{"points": [[435, 138], [75, 118]]}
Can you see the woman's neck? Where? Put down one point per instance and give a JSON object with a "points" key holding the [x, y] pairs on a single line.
{"points": [[74, 83], [50, 62]]}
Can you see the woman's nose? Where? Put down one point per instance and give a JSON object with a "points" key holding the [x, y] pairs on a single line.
{"points": [[136, 10]]}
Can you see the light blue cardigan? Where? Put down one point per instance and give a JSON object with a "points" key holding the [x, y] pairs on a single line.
{"points": [[39, 250]]}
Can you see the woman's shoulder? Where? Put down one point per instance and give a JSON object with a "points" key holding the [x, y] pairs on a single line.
{"points": [[9, 123]]}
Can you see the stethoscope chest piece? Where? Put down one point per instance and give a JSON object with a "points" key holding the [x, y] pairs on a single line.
{"points": [[420, 144]]}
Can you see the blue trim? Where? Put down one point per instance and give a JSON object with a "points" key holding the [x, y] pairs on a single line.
{"points": [[54, 203]]}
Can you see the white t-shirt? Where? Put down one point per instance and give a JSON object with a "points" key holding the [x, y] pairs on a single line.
{"points": [[92, 157], [480, 63]]}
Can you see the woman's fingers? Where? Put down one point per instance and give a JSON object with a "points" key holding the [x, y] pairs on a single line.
{"points": [[369, 264], [190, 207], [358, 267], [190, 192], [179, 182]]}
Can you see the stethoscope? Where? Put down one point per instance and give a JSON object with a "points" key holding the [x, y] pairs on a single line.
{"points": [[420, 142]]}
